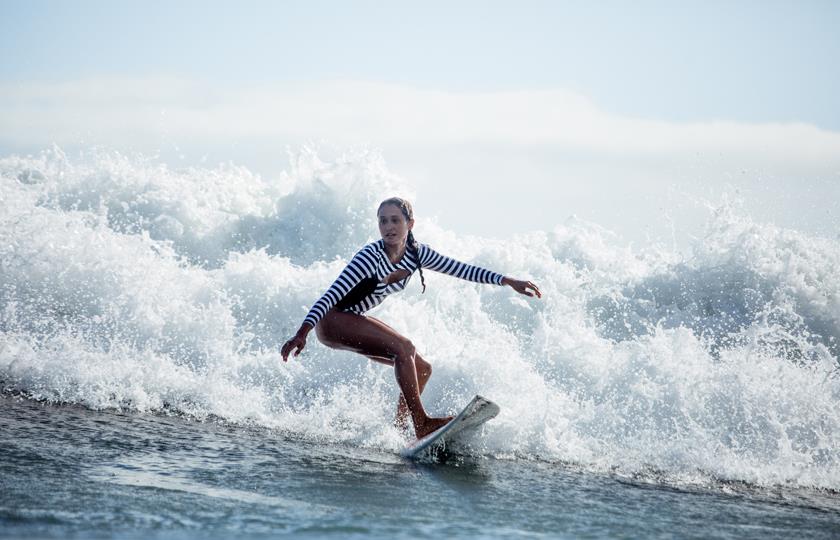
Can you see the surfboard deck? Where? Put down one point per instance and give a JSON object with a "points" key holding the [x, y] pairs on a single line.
{"points": [[477, 412]]}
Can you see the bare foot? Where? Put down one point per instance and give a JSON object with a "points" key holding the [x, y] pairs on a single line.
{"points": [[430, 425]]}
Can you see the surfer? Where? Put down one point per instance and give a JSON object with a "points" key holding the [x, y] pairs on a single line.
{"points": [[376, 271]]}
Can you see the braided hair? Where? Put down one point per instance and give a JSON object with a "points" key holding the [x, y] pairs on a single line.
{"points": [[411, 243]]}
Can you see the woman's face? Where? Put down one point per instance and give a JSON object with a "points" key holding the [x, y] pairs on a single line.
{"points": [[393, 226]]}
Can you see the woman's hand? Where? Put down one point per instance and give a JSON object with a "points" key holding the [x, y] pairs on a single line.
{"points": [[297, 343], [397, 275], [523, 287]]}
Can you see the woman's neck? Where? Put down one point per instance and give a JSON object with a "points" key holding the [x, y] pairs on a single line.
{"points": [[395, 253]]}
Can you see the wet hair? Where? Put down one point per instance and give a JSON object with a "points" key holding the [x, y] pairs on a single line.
{"points": [[411, 243]]}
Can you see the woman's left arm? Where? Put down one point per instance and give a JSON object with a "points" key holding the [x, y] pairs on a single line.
{"points": [[433, 260]]}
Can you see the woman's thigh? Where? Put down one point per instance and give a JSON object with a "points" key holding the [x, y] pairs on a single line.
{"points": [[364, 335]]}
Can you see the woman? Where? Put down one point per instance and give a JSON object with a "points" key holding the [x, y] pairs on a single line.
{"points": [[377, 270]]}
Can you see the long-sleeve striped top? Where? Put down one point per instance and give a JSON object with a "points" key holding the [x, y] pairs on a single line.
{"points": [[361, 285]]}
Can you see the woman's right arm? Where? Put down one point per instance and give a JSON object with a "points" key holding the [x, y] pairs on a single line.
{"points": [[361, 266]]}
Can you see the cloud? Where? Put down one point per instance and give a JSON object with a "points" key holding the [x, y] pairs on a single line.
{"points": [[538, 156], [131, 112]]}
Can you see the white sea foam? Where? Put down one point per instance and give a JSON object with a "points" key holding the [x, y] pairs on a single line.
{"points": [[129, 284]]}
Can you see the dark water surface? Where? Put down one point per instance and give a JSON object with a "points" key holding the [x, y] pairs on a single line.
{"points": [[67, 471]]}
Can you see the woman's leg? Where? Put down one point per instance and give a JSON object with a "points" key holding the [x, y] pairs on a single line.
{"points": [[424, 372], [378, 341]]}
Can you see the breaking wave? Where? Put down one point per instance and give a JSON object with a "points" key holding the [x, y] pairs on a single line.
{"points": [[129, 284]]}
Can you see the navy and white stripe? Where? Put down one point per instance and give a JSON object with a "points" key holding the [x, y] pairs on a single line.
{"points": [[372, 262]]}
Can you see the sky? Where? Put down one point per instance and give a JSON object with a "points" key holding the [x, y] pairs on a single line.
{"points": [[629, 114]]}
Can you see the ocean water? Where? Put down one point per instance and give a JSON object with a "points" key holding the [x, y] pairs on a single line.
{"points": [[650, 393]]}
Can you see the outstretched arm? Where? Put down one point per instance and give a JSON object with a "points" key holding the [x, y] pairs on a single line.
{"points": [[433, 260]]}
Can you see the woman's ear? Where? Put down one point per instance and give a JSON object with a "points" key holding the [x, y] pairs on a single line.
{"points": [[410, 224]]}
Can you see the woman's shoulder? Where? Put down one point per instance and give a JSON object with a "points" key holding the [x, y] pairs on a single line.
{"points": [[372, 248]]}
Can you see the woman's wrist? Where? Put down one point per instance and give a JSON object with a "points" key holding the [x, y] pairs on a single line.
{"points": [[506, 280], [304, 330]]}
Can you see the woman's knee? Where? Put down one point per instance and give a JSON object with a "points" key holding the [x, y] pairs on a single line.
{"points": [[405, 349], [423, 368]]}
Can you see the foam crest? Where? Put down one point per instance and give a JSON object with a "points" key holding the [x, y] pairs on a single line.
{"points": [[128, 284]]}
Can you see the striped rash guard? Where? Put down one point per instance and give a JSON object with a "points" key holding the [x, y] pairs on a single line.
{"points": [[361, 286]]}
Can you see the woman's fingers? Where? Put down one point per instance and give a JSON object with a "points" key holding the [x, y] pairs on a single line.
{"points": [[525, 285], [289, 345]]}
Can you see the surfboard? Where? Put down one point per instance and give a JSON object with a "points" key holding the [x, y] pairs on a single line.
{"points": [[476, 413]]}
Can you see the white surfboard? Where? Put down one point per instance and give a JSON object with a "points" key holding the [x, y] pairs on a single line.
{"points": [[477, 412]]}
